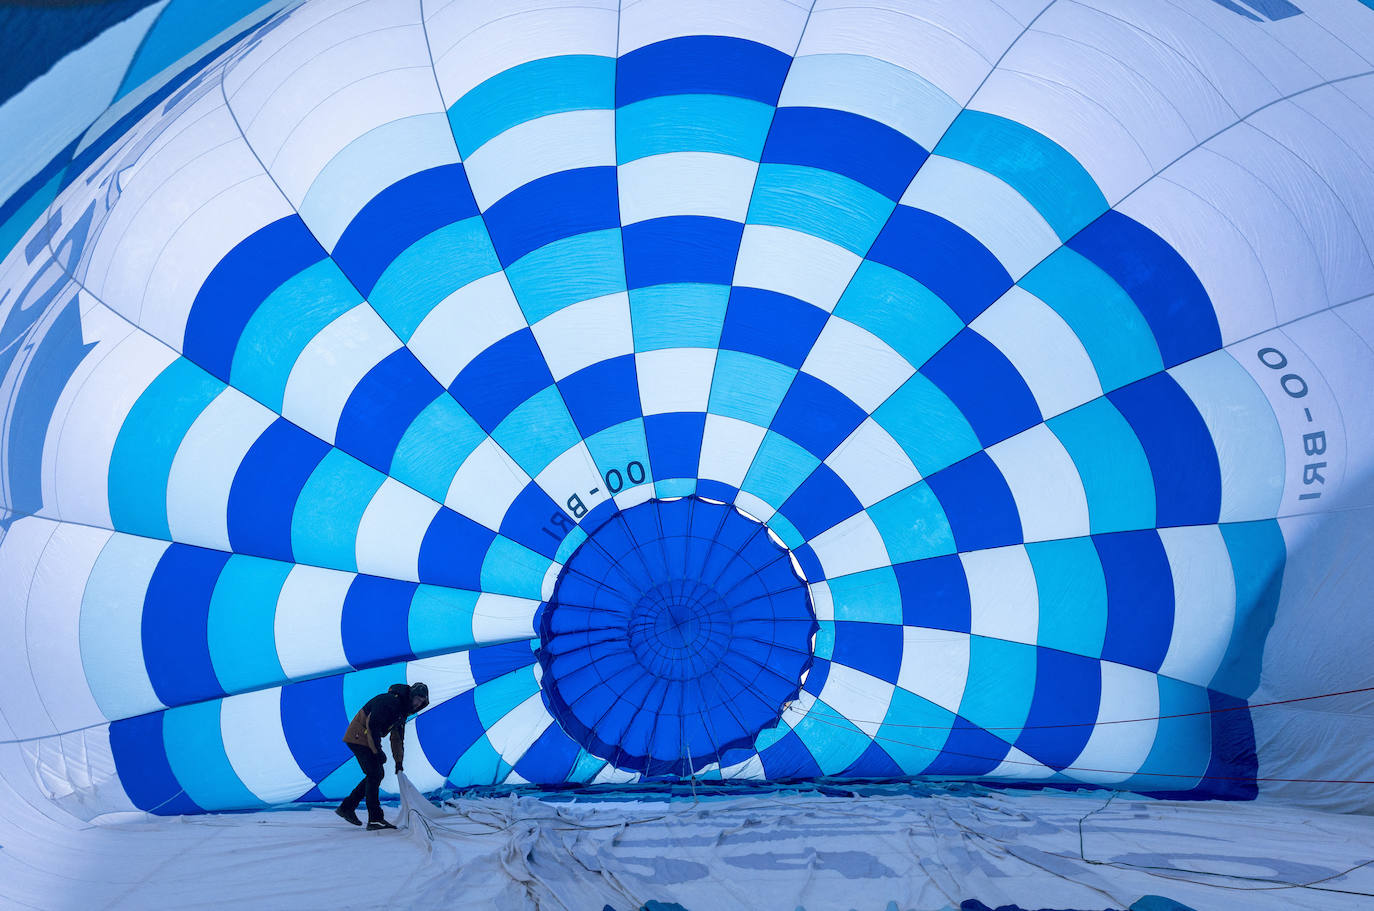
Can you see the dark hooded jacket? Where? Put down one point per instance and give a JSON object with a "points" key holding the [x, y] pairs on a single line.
{"points": [[382, 715]]}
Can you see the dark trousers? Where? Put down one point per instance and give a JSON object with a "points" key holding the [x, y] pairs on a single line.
{"points": [[373, 768]]}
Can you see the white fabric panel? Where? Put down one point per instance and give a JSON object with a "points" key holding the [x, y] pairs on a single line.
{"points": [[823, 602], [1018, 764], [486, 484], [857, 363], [934, 665], [1204, 602], [21, 554], [1045, 484], [1244, 431], [754, 507], [872, 464], [545, 145], [852, 546], [675, 379], [471, 43], [1115, 751], [951, 44], [861, 698], [112, 625], [254, 741], [728, 447], [53, 630], [497, 618], [633, 496], [1004, 600], [573, 471], [77, 772], [986, 207], [585, 333], [391, 531], [776, 23], [872, 88], [1043, 349], [331, 366], [445, 675], [83, 438], [465, 324], [308, 624], [368, 165], [686, 183], [790, 262], [205, 464], [519, 728]]}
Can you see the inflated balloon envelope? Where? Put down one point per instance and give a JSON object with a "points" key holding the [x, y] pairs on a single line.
{"points": [[720, 391]]}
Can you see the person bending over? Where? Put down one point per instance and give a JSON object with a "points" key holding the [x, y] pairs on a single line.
{"points": [[381, 715]]}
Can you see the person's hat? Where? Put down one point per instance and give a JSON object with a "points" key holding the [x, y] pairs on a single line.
{"points": [[421, 692]]}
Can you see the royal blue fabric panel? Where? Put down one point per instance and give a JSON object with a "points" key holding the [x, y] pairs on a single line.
{"points": [[1234, 765], [382, 407], [1140, 598], [820, 503], [681, 248], [375, 621], [788, 758], [266, 486], [820, 672], [1158, 280], [701, 65], [550, 758], [968, 750], [810, 563], [874, 763], [1183, 459], [397, 217], [675, 443], [176, 610], [238, 285], [602, 395], [771, 325], [452, 551], [816, 415], [448, 729], [492, 661], [861, 149], [551, 208], [1063, 712], [874, 648], [935, 594], [530, 513], [500, 378], [978, 503], [144, 772], [943, 257], [314, 719], [985, 387]]}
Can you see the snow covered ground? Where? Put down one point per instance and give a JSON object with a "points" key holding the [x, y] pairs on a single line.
{"points": [[889, 849]]}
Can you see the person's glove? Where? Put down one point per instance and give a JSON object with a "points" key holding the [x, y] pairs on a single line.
{"points": [[398, 768], [381, 756]]}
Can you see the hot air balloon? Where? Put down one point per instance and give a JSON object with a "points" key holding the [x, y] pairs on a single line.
{"points": [[721, 392]]}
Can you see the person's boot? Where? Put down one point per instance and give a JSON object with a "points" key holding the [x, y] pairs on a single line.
{"points": [[378, 825], [348, 816]]}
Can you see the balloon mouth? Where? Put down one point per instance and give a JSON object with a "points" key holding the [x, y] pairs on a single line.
{"points": [[676, 633]]}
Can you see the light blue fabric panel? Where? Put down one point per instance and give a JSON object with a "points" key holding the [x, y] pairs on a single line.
{"points": [[538, 431], [913, 525], [1112, 465], [691, 123], [495, 698], [567, 272], [194, 743], [748, 387], [778, 469], [440, 620], [480, 763], [930, 428], [513, 569], [1072, 595], [324, 525], [111, 626], [786, 530], [1001, 684], [683, 315], [241, 623], [831, 738], [619, 445], [147, 443], [871, 596], [820, 203], [914, 731], [1108, 323], [1258, 556], [1183, 740], [548, 86], [434, 446], [431, 269], [283, 325], [881, 91], [899, 310]]}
